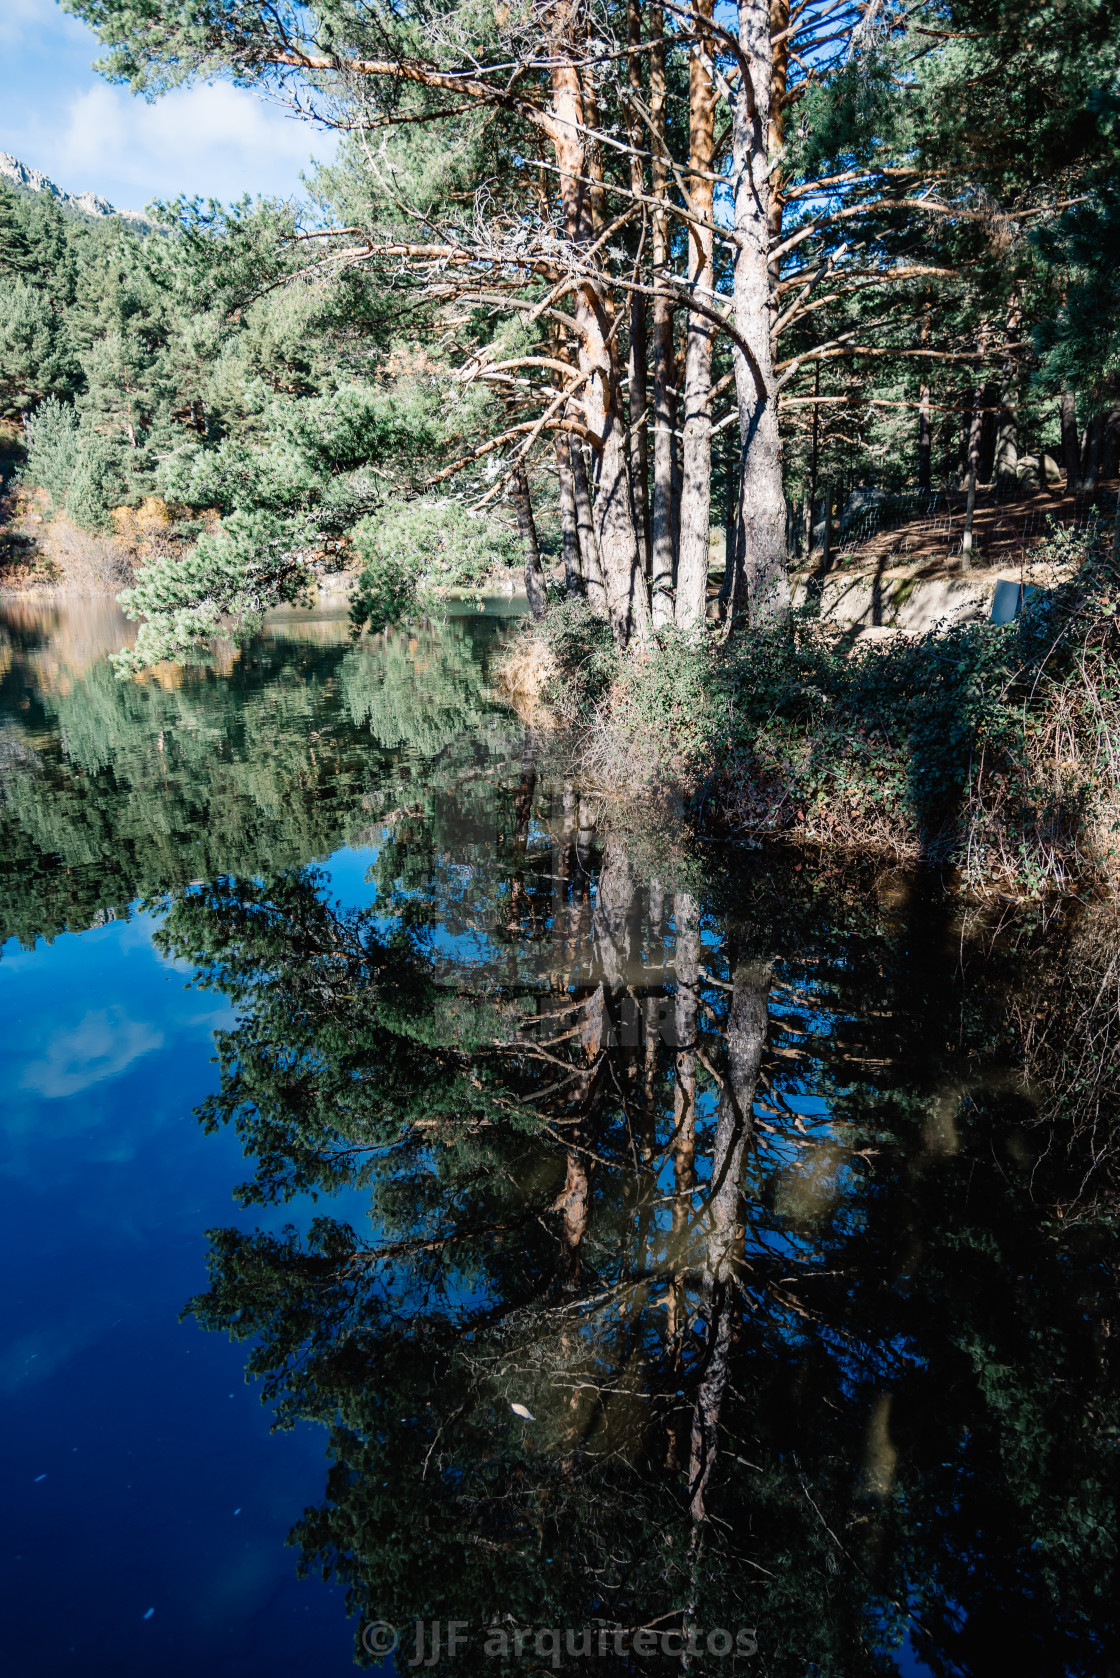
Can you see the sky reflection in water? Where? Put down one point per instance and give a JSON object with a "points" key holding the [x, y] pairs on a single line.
{"points": [[739, 1174]]}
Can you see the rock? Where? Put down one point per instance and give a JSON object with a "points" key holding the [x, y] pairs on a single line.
{"points": [[1027, 472], [86, 205], [1051, 471]]}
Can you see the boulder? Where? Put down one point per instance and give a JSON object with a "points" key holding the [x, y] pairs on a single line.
{"points": [[1051, 471], [1028, 472]]}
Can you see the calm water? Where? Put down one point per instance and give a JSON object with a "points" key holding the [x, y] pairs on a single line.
{"points": [[424, 1200]]}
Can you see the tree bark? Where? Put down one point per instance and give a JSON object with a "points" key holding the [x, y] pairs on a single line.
{"points": [[975, 432], [569, 530], [534, 576], [1110, 454], [1007, 434], [661, 523], [588, 541], [639, 347], [1091, 460], [627, 604], [925, 436], [1071, 451], [696, 454], [760, 583]]}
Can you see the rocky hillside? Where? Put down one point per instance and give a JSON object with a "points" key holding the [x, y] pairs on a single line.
{"points": [[83, 206]]}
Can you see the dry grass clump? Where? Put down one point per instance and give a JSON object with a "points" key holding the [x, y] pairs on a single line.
{"points": [[528, 672]]}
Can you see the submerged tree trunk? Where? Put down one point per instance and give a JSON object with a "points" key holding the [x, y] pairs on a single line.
{"points": [[569, 530], [760, 583], [696, 461], [661, 522], [534, 576]]}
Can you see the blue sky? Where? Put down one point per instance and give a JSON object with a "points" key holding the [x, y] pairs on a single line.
{"points": [[58, 115]]}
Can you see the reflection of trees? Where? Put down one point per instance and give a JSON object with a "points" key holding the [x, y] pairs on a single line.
{"points": [[121, 789], [831, 1371]]}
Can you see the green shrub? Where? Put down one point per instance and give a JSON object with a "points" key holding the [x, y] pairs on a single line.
{"points": [[52, 448]]}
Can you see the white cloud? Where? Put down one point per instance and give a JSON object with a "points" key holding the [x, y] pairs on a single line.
{"points": [[102, 1046], [214, 140]]}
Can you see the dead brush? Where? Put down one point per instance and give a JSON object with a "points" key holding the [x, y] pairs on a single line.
{"points": [[525, 675], [85, 561], [1054, 819]]}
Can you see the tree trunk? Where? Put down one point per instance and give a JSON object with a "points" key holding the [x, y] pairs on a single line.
{"points": [[924, 438], [534, 576], [639, 349], [975, 431], [696, 463], [1110, 453], [1071, 452], [924, 433], [569, 530], [1091, 461], [661, 522], [627, 604], [1007, 436], [588, 541], [988, 435], [760, 581]]}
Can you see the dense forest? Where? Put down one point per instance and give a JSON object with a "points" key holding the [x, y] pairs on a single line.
{"points": [[584, 280]]}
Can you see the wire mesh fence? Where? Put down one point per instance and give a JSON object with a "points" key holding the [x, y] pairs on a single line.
{"points": [[1005, 524]]}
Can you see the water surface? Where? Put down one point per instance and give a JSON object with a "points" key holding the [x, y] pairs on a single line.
{"points": [[636, 1245]]}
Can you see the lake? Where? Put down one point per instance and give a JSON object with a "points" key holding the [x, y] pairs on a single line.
{"points": [[456, 1223]]}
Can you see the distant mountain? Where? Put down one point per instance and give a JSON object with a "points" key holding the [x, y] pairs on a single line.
{"points": [[83, 206]]}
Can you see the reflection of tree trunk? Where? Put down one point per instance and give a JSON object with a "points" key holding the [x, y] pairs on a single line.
{"points": [[522, 814], [562, 860], [613, 927], [746, 1038], [687, 965], [534, 576], [572, 1203]]}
